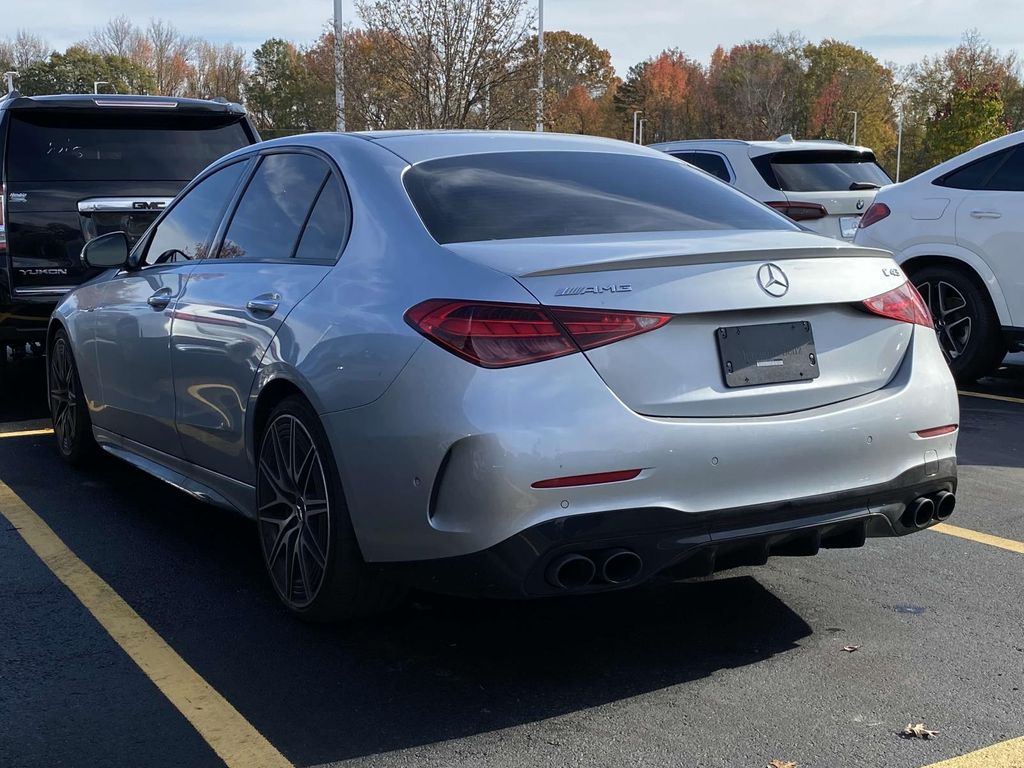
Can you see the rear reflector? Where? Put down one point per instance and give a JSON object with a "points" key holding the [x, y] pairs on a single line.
{"points": [[904, 304], [601, 477], [498, 335], [800, 211], [936, 431], [875, 212]]}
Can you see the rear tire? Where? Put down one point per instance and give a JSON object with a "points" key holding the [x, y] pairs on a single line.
{"points": [[69, 409], [965, 320], [306, 536]]}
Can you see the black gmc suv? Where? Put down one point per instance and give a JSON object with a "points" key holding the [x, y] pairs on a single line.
{"points": [[74, 167]]}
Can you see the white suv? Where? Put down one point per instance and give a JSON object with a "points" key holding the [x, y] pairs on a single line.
{"points": [[824, 185], [958, 231]]}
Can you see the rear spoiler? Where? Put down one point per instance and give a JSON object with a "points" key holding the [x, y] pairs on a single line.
{"points": [[116, 102]]}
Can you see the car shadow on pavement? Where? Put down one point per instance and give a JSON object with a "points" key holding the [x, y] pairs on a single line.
{"points": [[437, 669], [23, 390]]}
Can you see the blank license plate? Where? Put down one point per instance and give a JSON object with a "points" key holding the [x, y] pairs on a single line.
{"points": [[767, 354]]}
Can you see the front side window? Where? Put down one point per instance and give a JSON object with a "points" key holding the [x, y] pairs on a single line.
{"points": [[509, 195], [274, 207], [185, 232]]}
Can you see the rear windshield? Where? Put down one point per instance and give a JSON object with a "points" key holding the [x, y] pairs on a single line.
{"points": [[69, 146], [509, 195], [821, 171]]}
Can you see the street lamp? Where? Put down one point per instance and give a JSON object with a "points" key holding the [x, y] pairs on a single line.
{"points": [[636, 114], [643, 121], [540, 68], [96, 85], [339, 66], [9, 77], [899, 146], [854, 113]]}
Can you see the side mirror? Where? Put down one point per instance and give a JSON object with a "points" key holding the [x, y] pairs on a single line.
{"points": [[106, 251]]}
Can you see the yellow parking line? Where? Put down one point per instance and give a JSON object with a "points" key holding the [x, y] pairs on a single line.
{"points": [[981, 538], [1006, 754], [27, 433], [230, 735], [986, 396]]}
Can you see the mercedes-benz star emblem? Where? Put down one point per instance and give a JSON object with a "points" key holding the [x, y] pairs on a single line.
{"points": [[772, 280]]}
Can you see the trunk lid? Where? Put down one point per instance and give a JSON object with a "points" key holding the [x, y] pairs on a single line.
{"points": [[710, 281]]}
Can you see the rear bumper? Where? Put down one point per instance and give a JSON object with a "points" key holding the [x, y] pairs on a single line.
{"points": [[674, 545]]}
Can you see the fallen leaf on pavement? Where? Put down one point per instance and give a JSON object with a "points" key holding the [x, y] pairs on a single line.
{"points": [[918, 732], [850, 648], [781, 764]]}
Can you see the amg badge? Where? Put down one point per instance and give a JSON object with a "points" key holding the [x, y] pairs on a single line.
{"points": [[579, 290]]}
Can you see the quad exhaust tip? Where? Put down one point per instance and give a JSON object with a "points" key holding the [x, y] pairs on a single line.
{"points": [[571, 571], [945, 503], [574, 570], [620, 566], [926, 510]]}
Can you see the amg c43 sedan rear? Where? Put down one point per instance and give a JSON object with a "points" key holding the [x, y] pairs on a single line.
{"points": [[503, 364]]}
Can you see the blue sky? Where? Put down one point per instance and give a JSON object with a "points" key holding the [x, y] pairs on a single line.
{"points": [[900, 31]]}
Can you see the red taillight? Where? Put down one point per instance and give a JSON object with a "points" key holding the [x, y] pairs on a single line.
{"points": [[596, 479], [875, 213], [494, 335], [800, 211], [904, 304]]}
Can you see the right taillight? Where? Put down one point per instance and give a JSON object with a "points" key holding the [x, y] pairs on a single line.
{"points": [[904, 304], [875, 213], [500, 335], [800, 211]]}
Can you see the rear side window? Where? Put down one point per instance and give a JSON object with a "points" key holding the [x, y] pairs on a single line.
{"points": [[1003, 171], [327, 227], [66, 146], [509, 195], [821, 171], [274, 207], [185, 232], [706, 161]]}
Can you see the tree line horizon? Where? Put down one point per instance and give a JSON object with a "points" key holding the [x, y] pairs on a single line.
{"points": [[474, 64]]}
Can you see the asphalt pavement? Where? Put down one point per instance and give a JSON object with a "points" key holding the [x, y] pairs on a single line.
{"points": [[733, 671]]}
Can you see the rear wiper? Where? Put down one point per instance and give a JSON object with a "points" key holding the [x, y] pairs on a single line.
{"points": [[864, 185]]}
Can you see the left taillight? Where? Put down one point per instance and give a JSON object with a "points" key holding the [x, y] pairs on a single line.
{"points": [[500, 335], [799, 211], [904, 304]]}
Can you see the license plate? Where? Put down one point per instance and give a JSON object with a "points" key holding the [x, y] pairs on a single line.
{"points": [[848, 226], [767, 354]]}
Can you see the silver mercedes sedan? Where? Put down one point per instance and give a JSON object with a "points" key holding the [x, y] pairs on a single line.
{"points": [[504, 364]]}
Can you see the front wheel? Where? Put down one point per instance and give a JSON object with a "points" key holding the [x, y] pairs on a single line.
{"points": [[308, 544], [965, 321]]}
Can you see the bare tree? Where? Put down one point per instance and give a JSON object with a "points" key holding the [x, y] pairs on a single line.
{"points": [[454, 56], [217, 70], [168, 53], [23, 50], [118, 37]]}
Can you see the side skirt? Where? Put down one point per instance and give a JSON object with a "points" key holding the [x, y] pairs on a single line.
{"points": [[199, 483]]}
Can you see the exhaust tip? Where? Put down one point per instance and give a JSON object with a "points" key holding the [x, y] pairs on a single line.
{"points": [[571, 572], [620, 566], [945, 503], [919, 513]]}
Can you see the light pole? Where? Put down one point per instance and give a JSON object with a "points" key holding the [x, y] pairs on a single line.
{"points": [[854, 113], [643, 121], [339, 66], [540, 68], [636, 114], [899, 146], [9, 77], [96, 85]]}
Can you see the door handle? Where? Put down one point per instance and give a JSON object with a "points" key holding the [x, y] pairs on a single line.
{"points": [[160, 299], [264, 305], [986, 214]]}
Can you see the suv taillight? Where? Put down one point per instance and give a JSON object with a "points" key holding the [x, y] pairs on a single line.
{"points": [[3, 217], [498, 335], [875, 213], [799, 211], [904, 304]]}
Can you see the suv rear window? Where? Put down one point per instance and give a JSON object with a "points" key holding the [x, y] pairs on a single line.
{"points": [[510, 195], [820, 170], [64, 146]]}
